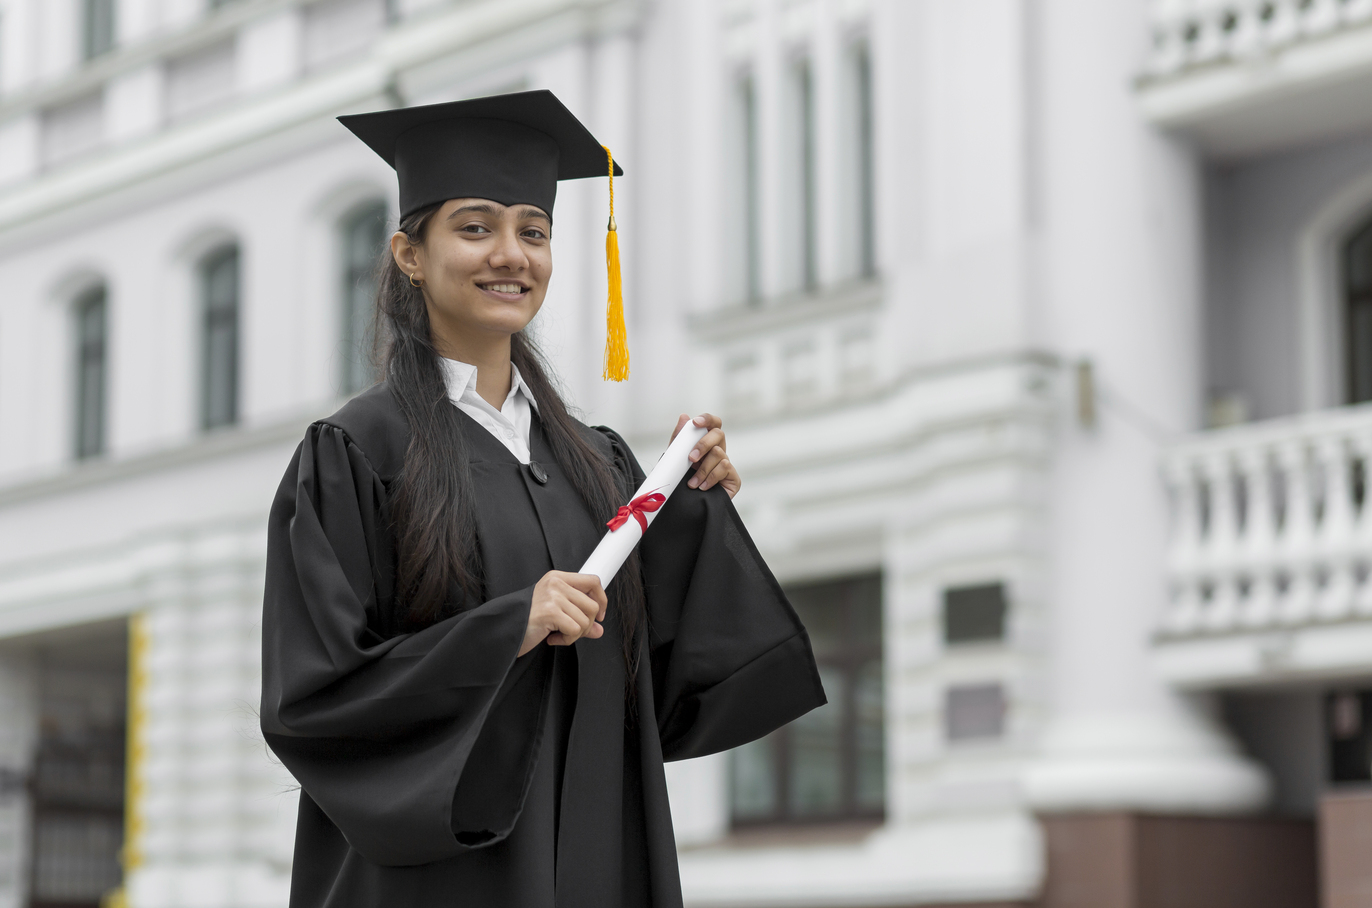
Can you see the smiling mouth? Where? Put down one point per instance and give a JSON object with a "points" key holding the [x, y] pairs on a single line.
{"points": [[504, 288]]}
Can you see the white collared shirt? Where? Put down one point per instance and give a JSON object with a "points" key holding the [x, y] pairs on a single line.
{"points": [[510, 424]]}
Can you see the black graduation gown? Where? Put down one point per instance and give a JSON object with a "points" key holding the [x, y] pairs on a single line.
{"points": [[437, 767]]}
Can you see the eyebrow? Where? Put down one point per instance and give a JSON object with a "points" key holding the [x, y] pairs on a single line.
{"points": [[528, 211]]}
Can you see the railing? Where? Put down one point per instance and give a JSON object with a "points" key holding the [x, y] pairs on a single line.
{"points": [[1193, 33], [1271, 525]]}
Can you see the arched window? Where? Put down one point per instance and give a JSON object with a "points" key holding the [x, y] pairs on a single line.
{"points": [[219, 291], [363, 234], [1358, 314], [90, 359]]}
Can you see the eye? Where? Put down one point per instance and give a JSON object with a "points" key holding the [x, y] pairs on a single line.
{"points": [[534, 233], [474, 228]]}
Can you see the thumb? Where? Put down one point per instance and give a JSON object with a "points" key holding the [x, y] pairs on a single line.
{"points": [[680, 421]]}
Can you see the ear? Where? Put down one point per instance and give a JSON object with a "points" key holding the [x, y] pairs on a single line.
{"points": [[406, 254]]}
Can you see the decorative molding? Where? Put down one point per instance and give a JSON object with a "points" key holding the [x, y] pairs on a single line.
{"points": [[737, 322]]}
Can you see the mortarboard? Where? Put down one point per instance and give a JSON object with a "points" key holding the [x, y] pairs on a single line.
{"points": [[512, 149]]}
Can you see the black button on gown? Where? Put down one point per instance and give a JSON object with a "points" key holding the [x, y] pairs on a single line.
{"points": [[437, 767]]}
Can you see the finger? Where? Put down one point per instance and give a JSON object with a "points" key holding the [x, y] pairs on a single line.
{"points": [[588, 584], [712, 439], [707, 466], [556, 639], [708, 421], [595, 632], [585, 605], [680, 421], [566, 623], [718, 474]]}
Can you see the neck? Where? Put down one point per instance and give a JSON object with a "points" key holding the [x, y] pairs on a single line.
{"points": [[490, 353]]}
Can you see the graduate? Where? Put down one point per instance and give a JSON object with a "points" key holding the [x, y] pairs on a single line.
{"points": [[471, 722]]}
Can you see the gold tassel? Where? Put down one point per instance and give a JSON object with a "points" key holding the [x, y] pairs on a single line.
{"points": [[616, 336]]}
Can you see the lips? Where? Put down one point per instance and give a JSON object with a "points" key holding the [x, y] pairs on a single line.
{"points": [[504, 287]]}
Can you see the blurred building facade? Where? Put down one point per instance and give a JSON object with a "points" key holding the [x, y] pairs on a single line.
{"points": [[1040, 328]]}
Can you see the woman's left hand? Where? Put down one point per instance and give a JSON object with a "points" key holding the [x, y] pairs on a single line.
{"points": [[713, 466]]}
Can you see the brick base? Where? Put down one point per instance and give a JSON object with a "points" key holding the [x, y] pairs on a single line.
{"points": [[1138, 861], [1346, 849]]}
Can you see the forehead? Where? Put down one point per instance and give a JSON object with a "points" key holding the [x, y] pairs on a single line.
{"points": [[490, 206]]}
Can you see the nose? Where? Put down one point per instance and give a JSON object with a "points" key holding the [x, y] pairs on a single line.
{"points": [[508, 255]]}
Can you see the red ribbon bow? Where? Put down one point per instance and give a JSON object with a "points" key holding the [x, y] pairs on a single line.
{"points": [[638, 510]]}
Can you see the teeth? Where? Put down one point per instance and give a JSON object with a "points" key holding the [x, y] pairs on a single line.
{"points": [[505, 288]]}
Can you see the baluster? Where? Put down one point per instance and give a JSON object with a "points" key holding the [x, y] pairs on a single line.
{"points": [[1219, 547], [1259, 537], [1297, 535], [1245, 39], [1335, 534], [1320, 16], [1284, 25], [1184, 611], [1361, 544], [1210, 37]]}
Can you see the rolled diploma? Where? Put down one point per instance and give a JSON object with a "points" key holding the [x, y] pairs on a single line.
{"points": [[615, 546]]}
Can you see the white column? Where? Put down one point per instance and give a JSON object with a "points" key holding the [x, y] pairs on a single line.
{"points": [[1122, 287]]}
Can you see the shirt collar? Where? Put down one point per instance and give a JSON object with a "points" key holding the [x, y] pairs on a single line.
{"points": [[461, 379]]}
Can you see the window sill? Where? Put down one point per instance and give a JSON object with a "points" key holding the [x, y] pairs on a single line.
{"points": [[783, 834], [863, 295]]}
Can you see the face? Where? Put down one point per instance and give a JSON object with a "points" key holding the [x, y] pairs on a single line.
{"points": [[484, 269]]}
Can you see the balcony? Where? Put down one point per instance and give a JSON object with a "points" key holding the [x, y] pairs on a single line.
{"points": [[1271, 552], [1246, 77]]}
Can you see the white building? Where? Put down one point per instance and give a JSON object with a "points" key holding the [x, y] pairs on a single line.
{"points": [[1039, 327]]}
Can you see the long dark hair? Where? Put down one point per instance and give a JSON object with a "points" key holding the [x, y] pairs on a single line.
{"points": [[438, 565]]}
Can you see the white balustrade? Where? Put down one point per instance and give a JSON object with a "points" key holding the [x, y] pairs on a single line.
{"points": [[1193, 33], [1272, 525]]}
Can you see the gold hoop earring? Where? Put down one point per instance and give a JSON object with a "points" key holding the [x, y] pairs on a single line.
{"points": [[414, 283]]}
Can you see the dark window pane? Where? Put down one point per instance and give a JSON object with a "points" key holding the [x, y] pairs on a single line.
{"points": [[754, 783], [752, 188], [1360, 351], [974, 711], [865, 615], [1348, 727], [805, 115], [830, 763], [1358, 315], [974, 613], [820, 607], [97, 27], [816, 752], [364, 236], [862, 65], [220, 286], [869, 742], [90, 373]]}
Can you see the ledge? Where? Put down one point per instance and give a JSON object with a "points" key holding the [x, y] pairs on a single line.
{"points": [[782, 311], [206, 447], [1309, 91], [993, 858], [1312, 652]]}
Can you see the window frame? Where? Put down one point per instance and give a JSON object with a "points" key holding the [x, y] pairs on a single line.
{"points": [[355, 373], [851, 657], [98, 28], [90, 411], [213, 318]]}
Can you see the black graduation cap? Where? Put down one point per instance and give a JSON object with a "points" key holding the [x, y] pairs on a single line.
{"points": [[509, 148]]}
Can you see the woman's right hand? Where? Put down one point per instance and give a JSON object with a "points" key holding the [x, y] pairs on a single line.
{"points": [[566, 607]]}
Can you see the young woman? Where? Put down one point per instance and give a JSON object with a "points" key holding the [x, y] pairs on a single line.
{"points": [[472, 723]]}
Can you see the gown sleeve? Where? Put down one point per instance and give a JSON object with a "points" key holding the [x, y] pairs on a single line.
{"points": [[381, 731], [731, 661]]}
